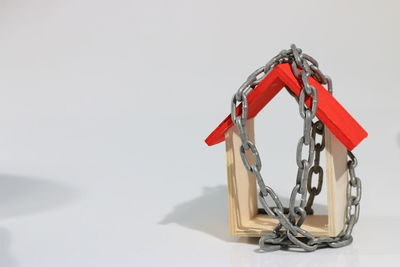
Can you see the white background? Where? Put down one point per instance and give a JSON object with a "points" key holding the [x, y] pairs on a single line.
{"points": [[104, 106]]}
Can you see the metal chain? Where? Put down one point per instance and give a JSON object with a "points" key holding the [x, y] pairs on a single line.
{"points": [[318, 128], [303, 66]]}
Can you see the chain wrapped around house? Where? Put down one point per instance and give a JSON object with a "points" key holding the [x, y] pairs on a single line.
{"points": [[327, 127]]}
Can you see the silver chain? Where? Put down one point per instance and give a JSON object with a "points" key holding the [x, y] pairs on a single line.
{"points": [[303, 66], [318, 129]]}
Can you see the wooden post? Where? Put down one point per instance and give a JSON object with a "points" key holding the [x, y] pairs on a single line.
{"points": [[242, 190], [337, 177]]}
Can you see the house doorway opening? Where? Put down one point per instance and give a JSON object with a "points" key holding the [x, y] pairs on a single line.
{"points": [[277, 131]]}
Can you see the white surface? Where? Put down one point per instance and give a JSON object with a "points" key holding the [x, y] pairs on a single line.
{"points": [[104, 106]]}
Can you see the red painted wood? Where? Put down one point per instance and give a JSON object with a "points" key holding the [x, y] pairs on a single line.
{"points": [[329, 110]]}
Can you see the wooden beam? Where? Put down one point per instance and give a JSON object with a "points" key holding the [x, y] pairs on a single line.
{"points": [[242, 191], [337, 178]]}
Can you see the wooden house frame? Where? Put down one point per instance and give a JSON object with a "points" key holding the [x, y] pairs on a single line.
{"points": [[342, 133]]}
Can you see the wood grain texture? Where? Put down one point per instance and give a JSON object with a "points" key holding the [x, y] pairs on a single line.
{"points": [[242, 191], [337, 179]]}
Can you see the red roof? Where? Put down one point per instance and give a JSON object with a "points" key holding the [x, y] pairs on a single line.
{"points": [[329, 111]]}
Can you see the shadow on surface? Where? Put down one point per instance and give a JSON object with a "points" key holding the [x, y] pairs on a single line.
{"points": [[208, 213], [398, 139], [23, 195], [5, 256]]}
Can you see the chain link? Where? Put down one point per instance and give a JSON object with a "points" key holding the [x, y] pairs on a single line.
{"points": [[303, 67], [318, 129]]}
